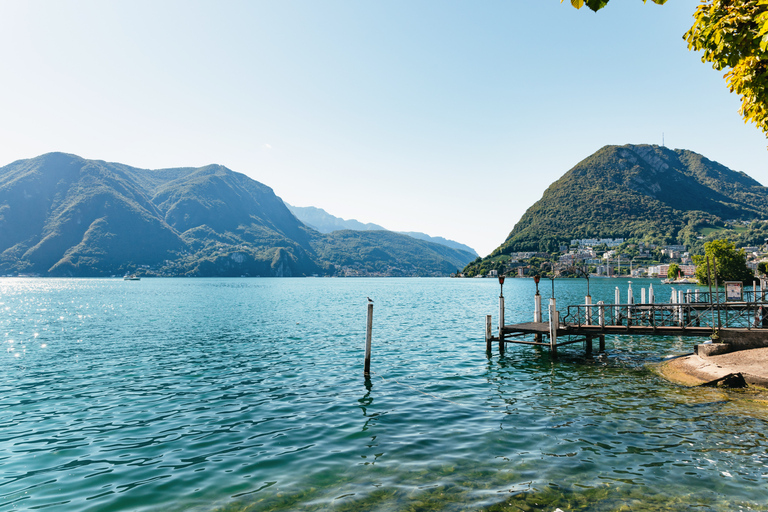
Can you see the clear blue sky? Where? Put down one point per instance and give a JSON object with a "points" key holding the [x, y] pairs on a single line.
{"points": [[439, 116]]}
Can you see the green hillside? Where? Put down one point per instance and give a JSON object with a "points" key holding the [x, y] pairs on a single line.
{"points": [[62, 215], [646, 193]]}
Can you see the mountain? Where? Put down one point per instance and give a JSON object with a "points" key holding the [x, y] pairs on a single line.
{"points": [[388, 253], [643, 192], [440, 240], [324, 222], [62, 215]]}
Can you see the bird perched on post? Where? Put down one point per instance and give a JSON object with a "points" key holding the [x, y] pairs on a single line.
{"points": [[370, 300]]}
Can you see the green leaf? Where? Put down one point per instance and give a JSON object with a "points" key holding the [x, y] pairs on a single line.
{"points": [[596, 5], [576, 3]]}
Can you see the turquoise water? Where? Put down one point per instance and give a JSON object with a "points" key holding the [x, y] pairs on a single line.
{"points": [[248, 394]]}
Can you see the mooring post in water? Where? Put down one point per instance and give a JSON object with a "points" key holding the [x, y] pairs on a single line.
{"points": [[537, 306], [501, 311], [368, 330], [588, 302], [589, 345], [488, 332]]}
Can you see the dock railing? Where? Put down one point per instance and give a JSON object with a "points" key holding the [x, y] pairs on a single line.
{"points": [[742, 315]]}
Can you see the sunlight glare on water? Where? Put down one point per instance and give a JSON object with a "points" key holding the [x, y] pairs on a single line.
{"points": [[248, 394]]}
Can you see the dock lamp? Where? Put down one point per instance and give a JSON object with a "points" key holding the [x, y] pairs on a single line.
{"points": [[501, 282], [536, 280]]}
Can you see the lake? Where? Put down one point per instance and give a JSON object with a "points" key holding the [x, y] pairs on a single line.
{"points": [[248, 395]]}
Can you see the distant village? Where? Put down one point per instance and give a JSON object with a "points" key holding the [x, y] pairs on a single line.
{"points": [[608, 257]]}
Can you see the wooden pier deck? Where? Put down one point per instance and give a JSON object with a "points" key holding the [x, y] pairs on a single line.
{"points": [[694, 314], [542, 328]]}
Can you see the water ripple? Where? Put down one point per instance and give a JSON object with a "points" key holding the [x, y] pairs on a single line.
{"points": [[185, 394]]}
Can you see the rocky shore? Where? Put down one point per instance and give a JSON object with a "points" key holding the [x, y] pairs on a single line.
{"points": [[732, 369]]}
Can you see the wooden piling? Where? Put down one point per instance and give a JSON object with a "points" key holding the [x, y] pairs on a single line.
{"points": [[589, 345], [488, 332], [368, 334], [501, 318], [601, 346], [537, 313]]}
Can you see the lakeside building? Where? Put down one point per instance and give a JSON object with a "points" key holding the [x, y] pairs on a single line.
{"points": [[662, 270], [592, 242]]}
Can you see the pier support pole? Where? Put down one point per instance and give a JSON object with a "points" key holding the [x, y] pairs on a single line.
{"points": [[501, 318], [553, 321], [589, 346], [588, 302], [601, 313], [368, 332], [601, 347], [488, 332], [537, 313], [501, 315]]}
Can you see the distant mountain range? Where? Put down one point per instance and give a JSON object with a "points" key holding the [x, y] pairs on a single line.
{"points": [[324, 222], [645, 193], [62, 215]]}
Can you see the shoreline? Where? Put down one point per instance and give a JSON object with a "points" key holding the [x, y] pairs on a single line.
{"points": [[733, 369]]}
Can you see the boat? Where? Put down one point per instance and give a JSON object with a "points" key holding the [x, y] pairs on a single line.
{"points": [[680, 280], [131, 277]]}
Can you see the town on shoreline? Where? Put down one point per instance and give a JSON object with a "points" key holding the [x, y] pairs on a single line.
{"points": [[603, 257]]}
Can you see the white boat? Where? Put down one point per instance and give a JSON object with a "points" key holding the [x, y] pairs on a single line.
{"points": [[133, 277], [684, 280]]}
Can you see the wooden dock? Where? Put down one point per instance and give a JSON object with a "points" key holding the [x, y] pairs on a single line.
{"points": [[687, 314]]}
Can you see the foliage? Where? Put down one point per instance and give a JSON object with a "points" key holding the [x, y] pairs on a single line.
{"points": [[733, 35], [726, 263], [386, 253], [596, 5], [62, 215], [762, 268], [647, 194], [635, 192], [674, 270]]}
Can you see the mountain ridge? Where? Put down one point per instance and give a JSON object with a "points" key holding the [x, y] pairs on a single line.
{"points": [[641, 192], [63, 215], [324, 222]]}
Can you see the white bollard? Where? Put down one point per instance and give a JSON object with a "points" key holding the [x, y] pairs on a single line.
{"points": [[553, 321], [601, 313]]}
